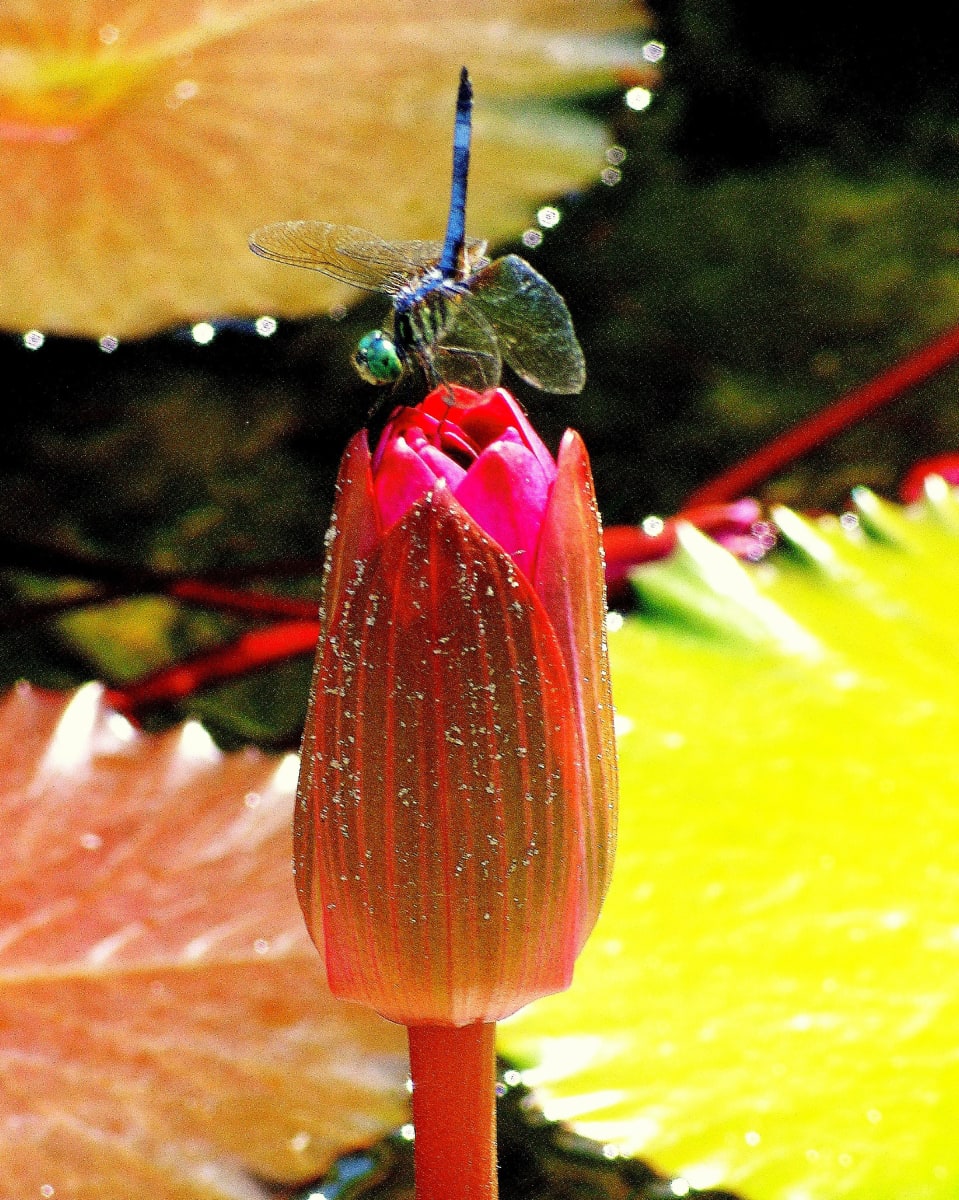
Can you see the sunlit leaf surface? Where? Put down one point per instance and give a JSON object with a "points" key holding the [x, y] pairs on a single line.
{"points": [[141, 143], [771, 999], [165, 1026]]}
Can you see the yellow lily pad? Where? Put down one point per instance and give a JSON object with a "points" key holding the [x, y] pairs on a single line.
{"points": [[770, 1000]]}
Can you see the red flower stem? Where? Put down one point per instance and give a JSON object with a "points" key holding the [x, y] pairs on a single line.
{"points": [[253, 604], [208, 590], [454, 1111], [257, 648], [833, 419]]}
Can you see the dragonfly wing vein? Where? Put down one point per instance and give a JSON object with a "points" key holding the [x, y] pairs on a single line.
{"points": [[349, 254], [340, 251], [466, 351], [532, 323]]}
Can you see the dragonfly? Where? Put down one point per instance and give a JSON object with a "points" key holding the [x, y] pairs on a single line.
{"points": [[455, 314]]}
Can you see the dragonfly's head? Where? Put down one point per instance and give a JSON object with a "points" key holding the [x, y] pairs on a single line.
{"points": [[377, 359]]}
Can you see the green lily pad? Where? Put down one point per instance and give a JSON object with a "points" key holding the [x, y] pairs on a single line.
{"points": [[770, 1001]]}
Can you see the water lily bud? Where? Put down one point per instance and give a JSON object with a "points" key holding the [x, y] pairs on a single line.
{"points": [[455, 824]]}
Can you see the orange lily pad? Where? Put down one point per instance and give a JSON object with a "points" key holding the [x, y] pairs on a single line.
{"points": [[141, 143], [165, 1025]]}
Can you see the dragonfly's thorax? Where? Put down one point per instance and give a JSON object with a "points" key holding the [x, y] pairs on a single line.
{"points": [[422, 311], [425, 288]]}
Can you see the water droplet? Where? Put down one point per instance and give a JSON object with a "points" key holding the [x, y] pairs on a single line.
{"points": [[203, 333], [638, 98], [91, 841]]}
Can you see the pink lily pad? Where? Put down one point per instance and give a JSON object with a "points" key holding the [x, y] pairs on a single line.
{"points": [[165, 1025]]}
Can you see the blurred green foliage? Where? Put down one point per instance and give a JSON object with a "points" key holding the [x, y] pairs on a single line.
{"points": [[785, 227]]}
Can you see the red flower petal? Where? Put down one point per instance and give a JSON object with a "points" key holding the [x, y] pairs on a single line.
{"points": [[350, 538], [354, 527], [442, 808], [569, 581], [502, 411]]}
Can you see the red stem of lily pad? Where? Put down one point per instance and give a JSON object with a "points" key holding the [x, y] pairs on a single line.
{"points": [[454, 1111], [833, 419]]}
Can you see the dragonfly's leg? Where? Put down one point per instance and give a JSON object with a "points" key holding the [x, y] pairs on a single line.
{"points": [[428, 364], [433, 377], [377, 406]]}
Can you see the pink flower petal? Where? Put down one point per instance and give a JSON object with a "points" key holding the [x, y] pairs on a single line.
{"points": [[443, 466], [506, 491], [502, 411], [401, 478]]}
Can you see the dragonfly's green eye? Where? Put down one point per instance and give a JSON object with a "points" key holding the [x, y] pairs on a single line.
{"points": [[376, 358]]}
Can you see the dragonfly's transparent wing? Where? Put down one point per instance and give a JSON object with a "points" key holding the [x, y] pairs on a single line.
{"points": [[351, 255], [532, 324], [417, 257], [466, 350], [348, 254]]}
